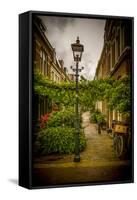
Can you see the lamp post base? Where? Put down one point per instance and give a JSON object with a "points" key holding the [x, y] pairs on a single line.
{"points": [[77, 158]]}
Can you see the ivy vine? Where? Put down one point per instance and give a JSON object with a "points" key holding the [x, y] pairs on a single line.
{"points": [[116, 92]]}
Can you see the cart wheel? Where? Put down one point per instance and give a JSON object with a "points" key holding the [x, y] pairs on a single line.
{"points": [[120, 146]]}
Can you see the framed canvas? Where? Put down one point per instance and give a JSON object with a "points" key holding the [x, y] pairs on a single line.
{"points": [[75, 99]]}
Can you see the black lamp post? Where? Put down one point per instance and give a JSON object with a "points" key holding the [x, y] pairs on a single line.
{"points": [[77, 49]]}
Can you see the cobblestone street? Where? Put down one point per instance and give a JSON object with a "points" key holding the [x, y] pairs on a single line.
{"points": [[98, 162], [99, 146]]}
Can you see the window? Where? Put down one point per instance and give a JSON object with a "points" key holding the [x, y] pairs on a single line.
{"points": [[54, 55], [113, 54], [52, 76], [58, 80], [46, 65], [108, 62], [41, 54], [123, 38], [127, 36], [43, 62], [118, 44]]}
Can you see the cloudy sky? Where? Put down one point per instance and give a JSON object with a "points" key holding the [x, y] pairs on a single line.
{"points": [[62, 32]]}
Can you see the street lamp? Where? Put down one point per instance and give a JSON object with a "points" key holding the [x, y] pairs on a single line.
{"points": [[77, 49]]}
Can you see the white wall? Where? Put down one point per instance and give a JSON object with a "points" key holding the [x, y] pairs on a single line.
{"points": [[9, 11]]}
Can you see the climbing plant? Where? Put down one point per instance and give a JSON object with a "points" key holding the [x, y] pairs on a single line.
{"points": [[116, 92], [119, 96]]}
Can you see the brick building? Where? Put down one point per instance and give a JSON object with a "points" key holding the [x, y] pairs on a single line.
{"points": [[45, 60], [116, 58]]}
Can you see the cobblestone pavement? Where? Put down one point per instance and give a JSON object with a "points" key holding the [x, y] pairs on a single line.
{"points": [[98, 162], [99, 146]]}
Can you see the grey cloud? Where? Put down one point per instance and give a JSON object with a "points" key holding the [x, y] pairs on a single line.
{"points": [[62, 32]]}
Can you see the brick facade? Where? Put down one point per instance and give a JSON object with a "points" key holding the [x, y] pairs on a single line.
{"points": [[44, 59], [116, 58]]}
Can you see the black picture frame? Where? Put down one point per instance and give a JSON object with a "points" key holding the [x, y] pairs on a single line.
{"points": [[26, 93]]}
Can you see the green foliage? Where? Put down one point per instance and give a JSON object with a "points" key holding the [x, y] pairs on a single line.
{"points": [[97, 117], [64, 117], [120, 98], [59, 140], [117, 93]]}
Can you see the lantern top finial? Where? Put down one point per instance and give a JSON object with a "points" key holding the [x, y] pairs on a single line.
{"points": [[78, 41]]}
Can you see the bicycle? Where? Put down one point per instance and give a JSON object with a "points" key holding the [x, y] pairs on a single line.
{"points": [[121, 139]]}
